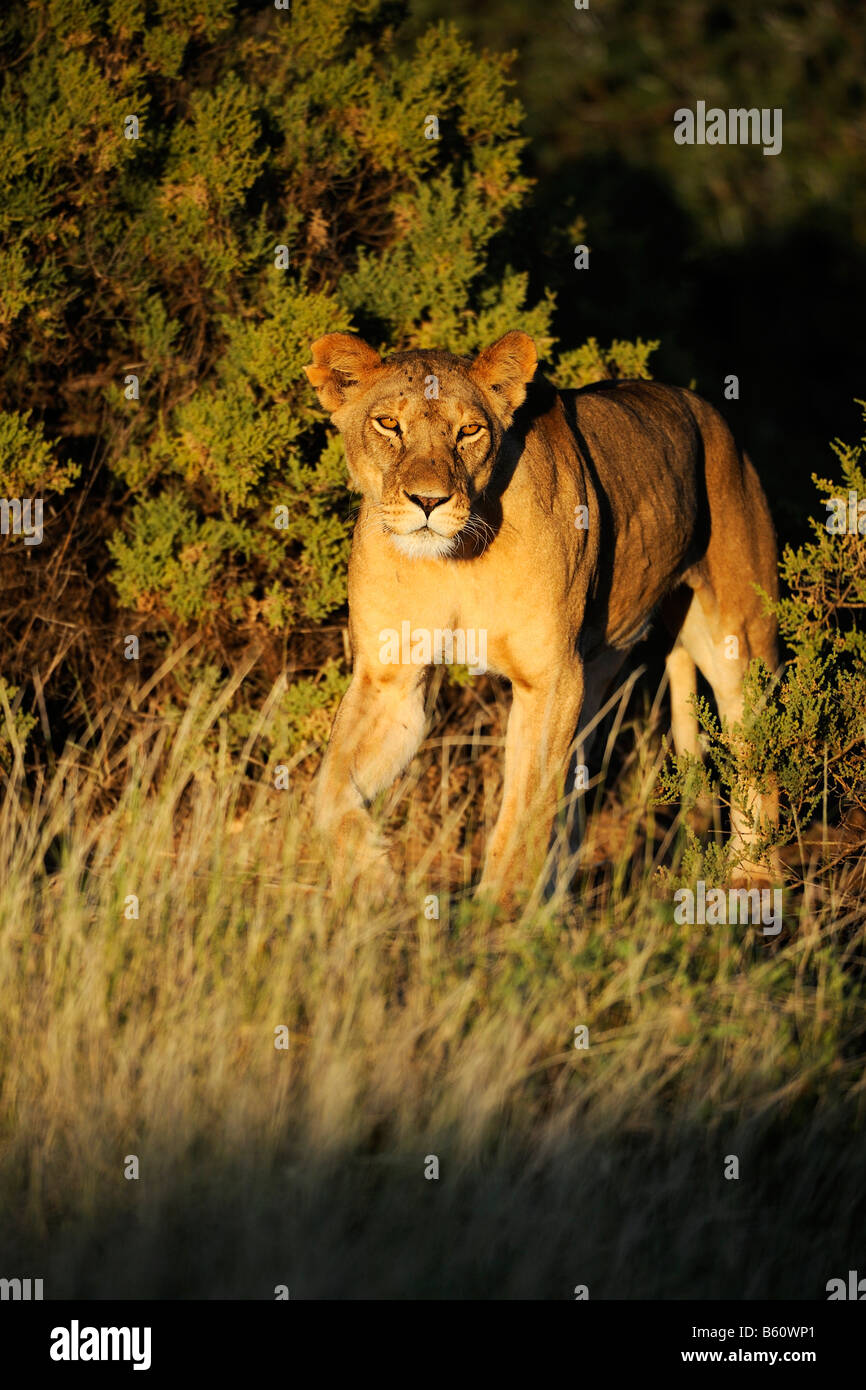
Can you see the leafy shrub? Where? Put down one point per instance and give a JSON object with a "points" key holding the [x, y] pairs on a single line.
{"points": [[805, 731], [157, 331]]}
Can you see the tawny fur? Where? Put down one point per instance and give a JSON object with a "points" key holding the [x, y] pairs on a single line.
{"points": [[484, 532]]}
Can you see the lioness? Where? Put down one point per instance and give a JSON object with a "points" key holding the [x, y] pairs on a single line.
{"points": [[556, 523]]}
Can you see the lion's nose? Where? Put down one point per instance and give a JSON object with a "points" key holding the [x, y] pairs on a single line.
{"points": [[427, 503]]}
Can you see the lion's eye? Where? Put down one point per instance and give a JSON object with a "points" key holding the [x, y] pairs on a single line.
{"points": [[469, 431], [387, 422]]}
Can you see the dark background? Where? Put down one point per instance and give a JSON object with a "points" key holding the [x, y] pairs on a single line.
{"points": [[738, 262]]}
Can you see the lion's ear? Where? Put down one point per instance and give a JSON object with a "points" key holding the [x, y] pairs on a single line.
{"points": [[507, 368], [340, 362]]}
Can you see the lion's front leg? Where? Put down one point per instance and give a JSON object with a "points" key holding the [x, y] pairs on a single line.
{"points": [[378, 728], [541, 728]]}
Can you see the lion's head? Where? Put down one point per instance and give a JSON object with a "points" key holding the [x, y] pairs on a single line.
{"points": [[422, 429]]}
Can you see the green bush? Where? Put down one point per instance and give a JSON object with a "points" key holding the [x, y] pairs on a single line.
{"points": [[804, 731], [155, 329]]}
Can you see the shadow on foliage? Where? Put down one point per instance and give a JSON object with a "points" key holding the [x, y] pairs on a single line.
{"points": [[649, 1215]]}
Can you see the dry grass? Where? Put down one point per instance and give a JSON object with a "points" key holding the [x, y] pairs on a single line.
{"points": [[154, 1035]]}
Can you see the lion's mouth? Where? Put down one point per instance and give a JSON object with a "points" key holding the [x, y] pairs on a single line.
{"points": [[423, 541], [434, 531]]}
